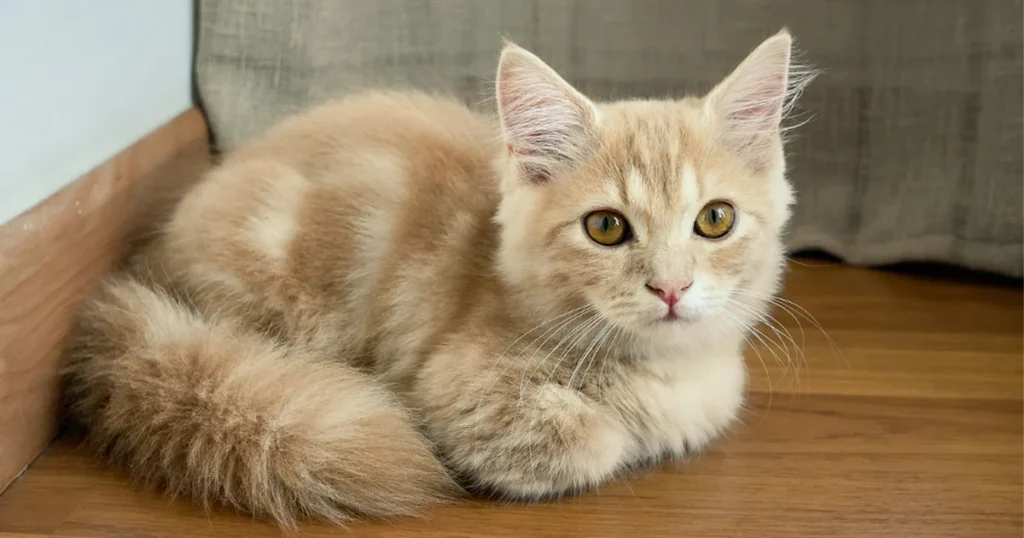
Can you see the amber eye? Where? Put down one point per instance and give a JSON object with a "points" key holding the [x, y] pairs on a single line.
{"points": [[607, 228], [715, 220]]}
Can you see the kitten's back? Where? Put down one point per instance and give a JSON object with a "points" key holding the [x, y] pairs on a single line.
{"points": [[319, 217]]}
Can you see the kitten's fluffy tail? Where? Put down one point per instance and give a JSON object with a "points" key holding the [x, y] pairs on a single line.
{"points": [[220, 415]]}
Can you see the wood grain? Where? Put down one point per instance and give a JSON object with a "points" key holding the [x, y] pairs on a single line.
{"points": [[913, 428], [51, 255]]}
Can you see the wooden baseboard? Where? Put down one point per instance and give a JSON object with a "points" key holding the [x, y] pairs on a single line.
{"points": [[51, 255]]}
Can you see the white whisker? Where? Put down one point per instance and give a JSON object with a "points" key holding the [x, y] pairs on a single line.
{"points": [[768, 375], [599, 339], [572, 316]]}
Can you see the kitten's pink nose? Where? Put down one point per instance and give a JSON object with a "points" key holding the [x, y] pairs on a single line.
{"points": [[669, 291]]}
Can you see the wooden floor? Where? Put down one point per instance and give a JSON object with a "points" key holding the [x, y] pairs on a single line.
{"points": [[910, 426]]}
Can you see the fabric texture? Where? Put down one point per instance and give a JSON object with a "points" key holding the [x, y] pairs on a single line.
{"points": [[913, 146]]}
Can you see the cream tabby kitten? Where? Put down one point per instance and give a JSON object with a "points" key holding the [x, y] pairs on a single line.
{"points": [[390, 295]]}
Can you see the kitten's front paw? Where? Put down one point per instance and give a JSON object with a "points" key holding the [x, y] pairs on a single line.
{"points": [[552, 443]]}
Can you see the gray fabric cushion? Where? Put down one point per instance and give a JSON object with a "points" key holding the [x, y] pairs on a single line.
{"points": [[914, 147]]}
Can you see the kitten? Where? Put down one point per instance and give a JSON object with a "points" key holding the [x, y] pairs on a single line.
{"points": [[390, 290]]}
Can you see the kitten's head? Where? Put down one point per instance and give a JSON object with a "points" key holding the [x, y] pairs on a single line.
{"points": [[665, 217]]}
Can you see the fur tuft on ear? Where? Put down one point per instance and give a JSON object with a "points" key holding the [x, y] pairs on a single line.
{"points": [[749, 105], [547, 124]]}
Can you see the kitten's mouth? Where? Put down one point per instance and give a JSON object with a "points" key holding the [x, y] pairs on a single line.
{"points": [[675, 316]]}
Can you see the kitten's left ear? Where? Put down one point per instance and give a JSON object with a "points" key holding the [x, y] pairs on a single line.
{"points": [[748, 106], [548, 125]]}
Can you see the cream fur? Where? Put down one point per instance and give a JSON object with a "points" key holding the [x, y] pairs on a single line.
{"points": [[390, 290]]}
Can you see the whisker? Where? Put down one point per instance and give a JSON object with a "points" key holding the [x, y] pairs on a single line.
{"points": [[572, 332], [572, 315], [594, 322], [598, 340], [770, 322], [514, 342], [604, 361], [768, 376], [797, 309]]}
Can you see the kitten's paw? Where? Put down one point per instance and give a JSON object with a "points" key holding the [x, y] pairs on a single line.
{"points": [[555, 443]]}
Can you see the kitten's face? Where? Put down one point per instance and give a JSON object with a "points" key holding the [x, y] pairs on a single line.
{"points": [[652, 213]]}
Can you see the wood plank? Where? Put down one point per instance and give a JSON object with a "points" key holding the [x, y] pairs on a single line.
{"points": [[51, 255]]}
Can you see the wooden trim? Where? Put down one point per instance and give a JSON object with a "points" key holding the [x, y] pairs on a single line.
{"points": [[52, 254]]}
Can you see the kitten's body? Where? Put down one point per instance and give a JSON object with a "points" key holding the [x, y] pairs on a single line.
{"points": [[388, 264]]}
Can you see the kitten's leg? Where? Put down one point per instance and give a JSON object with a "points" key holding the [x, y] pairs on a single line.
{"points": [[518, 440]]}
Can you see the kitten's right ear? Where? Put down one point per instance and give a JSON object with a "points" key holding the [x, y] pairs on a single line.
{"points": [[548, 125]]}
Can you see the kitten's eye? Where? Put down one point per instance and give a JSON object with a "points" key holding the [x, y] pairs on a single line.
{"points": [[607, 228], [715, 220]]}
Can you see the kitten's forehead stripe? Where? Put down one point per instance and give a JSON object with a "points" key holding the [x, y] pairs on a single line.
{"points": [[656, 143], [667, 190], [621, 181], [637, 188]]}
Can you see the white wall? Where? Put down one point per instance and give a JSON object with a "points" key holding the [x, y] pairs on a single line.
{"points": [[81, 80]]}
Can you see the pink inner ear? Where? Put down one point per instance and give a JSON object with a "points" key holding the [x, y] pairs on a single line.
{"points": [[763, 104], [756, 113]]}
